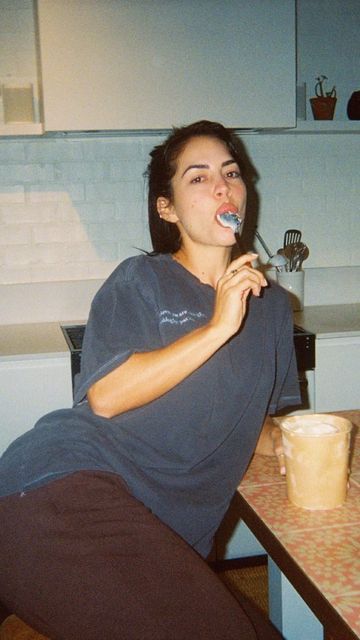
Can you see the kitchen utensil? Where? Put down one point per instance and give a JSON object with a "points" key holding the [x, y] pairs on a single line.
{"points": [[281, 252], [296, 253], [276, 260], [291, 236], [301, 255], [289, 253]]}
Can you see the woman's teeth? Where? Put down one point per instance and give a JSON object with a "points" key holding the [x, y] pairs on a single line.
{"points": [[230, 220]]}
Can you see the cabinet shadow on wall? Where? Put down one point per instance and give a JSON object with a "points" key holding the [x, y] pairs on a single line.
{"points": [[250, 176]]}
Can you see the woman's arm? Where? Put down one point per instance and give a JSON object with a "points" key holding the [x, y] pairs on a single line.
{"points": [[146, 376]]}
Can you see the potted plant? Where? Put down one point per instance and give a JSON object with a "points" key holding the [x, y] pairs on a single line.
{"points": [[324, 103]]}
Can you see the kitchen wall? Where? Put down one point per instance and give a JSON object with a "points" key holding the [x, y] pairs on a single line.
{"points": [[72, 207]]}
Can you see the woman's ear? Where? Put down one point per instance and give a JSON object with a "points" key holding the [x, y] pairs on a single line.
{"points": [[166, 209]]}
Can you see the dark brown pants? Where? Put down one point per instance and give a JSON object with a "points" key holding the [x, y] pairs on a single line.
{"points": [[82, 559]]}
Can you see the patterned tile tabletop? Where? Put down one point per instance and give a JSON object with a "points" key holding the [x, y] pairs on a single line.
{"points": [[325, 544]]}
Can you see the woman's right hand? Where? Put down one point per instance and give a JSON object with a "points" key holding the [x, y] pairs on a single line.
{"points": [[232, 292]]}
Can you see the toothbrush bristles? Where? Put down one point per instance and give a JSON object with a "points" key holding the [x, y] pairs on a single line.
{"points": [[230, 219]]}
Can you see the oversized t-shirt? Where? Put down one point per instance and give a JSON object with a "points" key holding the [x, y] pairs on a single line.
{"points": [[184, 453]]}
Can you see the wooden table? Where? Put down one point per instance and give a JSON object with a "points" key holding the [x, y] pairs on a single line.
{"points": [[312, 554]]}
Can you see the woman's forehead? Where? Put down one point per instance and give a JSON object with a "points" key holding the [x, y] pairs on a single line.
{"points": [[203, 150]]}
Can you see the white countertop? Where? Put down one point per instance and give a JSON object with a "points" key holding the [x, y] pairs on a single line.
{"points": [[43, 339], [330, 321], [67, 300], [46, 339]]}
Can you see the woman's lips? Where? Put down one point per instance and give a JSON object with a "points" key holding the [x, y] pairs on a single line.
{"points": [[227, 207]]}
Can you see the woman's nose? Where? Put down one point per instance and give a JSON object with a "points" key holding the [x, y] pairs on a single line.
{"points": [[222, 186]]}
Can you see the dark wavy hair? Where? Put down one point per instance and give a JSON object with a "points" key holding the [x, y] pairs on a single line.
{"points": [[165, 236]]}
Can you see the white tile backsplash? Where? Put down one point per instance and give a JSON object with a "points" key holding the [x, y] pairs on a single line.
{"points": [[71, 209], [300, 188]]}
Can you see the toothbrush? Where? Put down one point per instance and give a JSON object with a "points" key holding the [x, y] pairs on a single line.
{"points": [[232, 221]]}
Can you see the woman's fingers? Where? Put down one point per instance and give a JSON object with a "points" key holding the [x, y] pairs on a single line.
{"points": [[278, 448], [233, 289], [245, 279], [245, 258], [240, 272], [245, 262]]}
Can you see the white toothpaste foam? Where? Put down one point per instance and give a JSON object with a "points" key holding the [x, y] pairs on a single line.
{"points": [[230, 220]]}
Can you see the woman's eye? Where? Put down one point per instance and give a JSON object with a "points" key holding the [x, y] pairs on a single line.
{"points": [[233, 174], [197, 179]]}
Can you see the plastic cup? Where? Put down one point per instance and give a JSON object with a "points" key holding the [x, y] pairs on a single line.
{"points": [[316, 449]]}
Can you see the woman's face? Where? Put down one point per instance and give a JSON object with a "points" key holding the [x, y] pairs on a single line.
{"points": [[207, 182]]}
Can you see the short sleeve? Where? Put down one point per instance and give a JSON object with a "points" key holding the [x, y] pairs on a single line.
{"points": [[122, 320], [286, 391]]}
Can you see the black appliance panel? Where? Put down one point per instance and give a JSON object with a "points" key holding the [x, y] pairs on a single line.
{"points": [[74, 336], [304, 342]]}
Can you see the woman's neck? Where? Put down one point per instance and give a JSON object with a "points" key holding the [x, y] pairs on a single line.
{"points": [[207, 264]]}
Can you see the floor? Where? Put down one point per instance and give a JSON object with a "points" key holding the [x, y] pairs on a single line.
{"points": [[248, 578]]}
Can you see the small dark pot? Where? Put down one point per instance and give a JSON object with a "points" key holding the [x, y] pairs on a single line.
{"points": [[353, 106]]}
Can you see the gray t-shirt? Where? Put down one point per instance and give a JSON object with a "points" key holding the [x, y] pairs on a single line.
{"points": [[184, 453]]}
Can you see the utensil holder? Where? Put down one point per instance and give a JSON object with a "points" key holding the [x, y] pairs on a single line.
{"points": [[293, 282]]}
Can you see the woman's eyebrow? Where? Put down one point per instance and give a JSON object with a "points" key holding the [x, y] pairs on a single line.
{"points": [[195, 166], [206, 166], [227, 162]]}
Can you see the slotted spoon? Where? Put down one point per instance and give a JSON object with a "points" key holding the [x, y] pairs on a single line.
{"points": [[291, 236]]}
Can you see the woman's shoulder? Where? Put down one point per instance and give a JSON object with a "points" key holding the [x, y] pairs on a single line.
{"points": [[277, 299], [137, 271], [276, 292], [138, 267]]}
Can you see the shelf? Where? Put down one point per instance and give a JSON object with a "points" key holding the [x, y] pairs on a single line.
{"points": [[325, 126], [302, 127], [21, 129]]}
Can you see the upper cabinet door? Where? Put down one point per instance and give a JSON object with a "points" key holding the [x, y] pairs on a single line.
{"points": [[152, 64]]}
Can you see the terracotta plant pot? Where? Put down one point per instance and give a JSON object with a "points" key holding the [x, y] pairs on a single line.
{"points": [[323, 108]]}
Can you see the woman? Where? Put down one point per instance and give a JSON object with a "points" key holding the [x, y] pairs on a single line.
{"points": [[108, 507]]}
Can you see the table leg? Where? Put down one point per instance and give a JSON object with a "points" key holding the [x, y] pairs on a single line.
{"points": [[288, 611]]}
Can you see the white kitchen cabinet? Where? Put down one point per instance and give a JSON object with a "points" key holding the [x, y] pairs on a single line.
{"points": [[140, 64], [337, 373], [30, 388], [337, 354], [18, 69]]}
